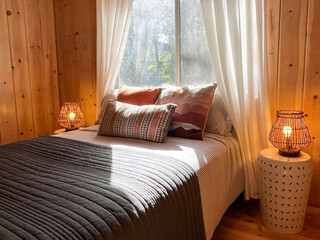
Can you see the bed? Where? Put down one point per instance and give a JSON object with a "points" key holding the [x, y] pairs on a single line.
{"points": [[212, 169], [216, 160]]}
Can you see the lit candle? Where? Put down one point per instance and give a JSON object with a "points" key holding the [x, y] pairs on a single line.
{"points": [[287, 133], [72, 115]]}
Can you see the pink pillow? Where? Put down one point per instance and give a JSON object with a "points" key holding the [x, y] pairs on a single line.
{"points": [[189, 119]]}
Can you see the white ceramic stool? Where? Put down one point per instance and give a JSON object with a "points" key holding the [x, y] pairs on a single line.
{"points": [[284, 190]]}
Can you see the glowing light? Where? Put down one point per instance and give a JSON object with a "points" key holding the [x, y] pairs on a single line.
{"points": [[72, 115], [287, 131]]}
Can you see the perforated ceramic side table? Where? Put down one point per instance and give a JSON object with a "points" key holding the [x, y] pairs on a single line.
{"points": [[284, 190]]}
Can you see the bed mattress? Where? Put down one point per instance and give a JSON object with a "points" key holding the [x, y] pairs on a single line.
{"points": [[216, 160]]}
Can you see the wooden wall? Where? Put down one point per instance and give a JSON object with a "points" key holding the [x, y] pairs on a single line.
{"points": [[293, 51], [29, 94], [75, 22]]}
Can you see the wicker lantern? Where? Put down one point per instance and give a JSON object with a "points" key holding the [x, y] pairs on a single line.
{"points": [[71, 116], [289, 133]]}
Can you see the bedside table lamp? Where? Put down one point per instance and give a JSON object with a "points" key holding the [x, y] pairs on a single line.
{"points": [[285, 174], [71, 116], [289, 133]]}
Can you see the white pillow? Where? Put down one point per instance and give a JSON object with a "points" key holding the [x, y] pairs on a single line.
{"points": [[218, 119], [109, 96]]}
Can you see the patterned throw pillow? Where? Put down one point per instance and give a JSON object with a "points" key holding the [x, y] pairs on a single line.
{"points": [[148, 122], [189, 119]]}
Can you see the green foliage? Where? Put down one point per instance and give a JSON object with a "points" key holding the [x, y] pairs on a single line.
{"points": [[167, 60]]}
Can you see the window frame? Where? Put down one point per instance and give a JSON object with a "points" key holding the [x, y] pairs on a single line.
{"points": [[177, 23], [178, 42]]}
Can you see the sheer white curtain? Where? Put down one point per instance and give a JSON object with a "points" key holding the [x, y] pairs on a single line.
{"points": [[149, 58], [113, 21], [140, 45], [235, 34]]}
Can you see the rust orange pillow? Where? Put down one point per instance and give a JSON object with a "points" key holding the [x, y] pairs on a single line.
{"points": [[138, 96]]}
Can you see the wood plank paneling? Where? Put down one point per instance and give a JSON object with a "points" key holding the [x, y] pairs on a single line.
{"points": [[298, 81], [29, 99], [8, 117], [73, 59], [60, 17], [312, 95], [50, 64], [87, 48], [272, 33], [293, 30], [36, 66], [19, 59], [75, 24]]}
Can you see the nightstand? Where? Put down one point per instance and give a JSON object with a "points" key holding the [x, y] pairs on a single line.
{"points": [[62, 130], [284, 190]]}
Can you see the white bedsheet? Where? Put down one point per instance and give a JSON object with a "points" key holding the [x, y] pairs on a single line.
{"points": [[216, 159]]}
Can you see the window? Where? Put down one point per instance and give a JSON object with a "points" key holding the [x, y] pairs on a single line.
{"points": [[153, 56]]}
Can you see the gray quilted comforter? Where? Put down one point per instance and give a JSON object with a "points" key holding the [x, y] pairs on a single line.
{"points": [[55, 188]]}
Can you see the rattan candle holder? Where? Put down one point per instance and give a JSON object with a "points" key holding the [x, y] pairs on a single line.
{"points": [[71, 116], [289, 133]]}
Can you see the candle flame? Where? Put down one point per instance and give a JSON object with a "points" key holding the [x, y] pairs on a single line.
{"points": [[287, 131], [72, 115]]}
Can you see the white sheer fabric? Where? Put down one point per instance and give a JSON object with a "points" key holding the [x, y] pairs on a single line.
{"points": [[149, 58], [113, 21], [235, 34]]}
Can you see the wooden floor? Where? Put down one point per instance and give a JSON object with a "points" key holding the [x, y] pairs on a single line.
{"points": [[243, 221]]}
